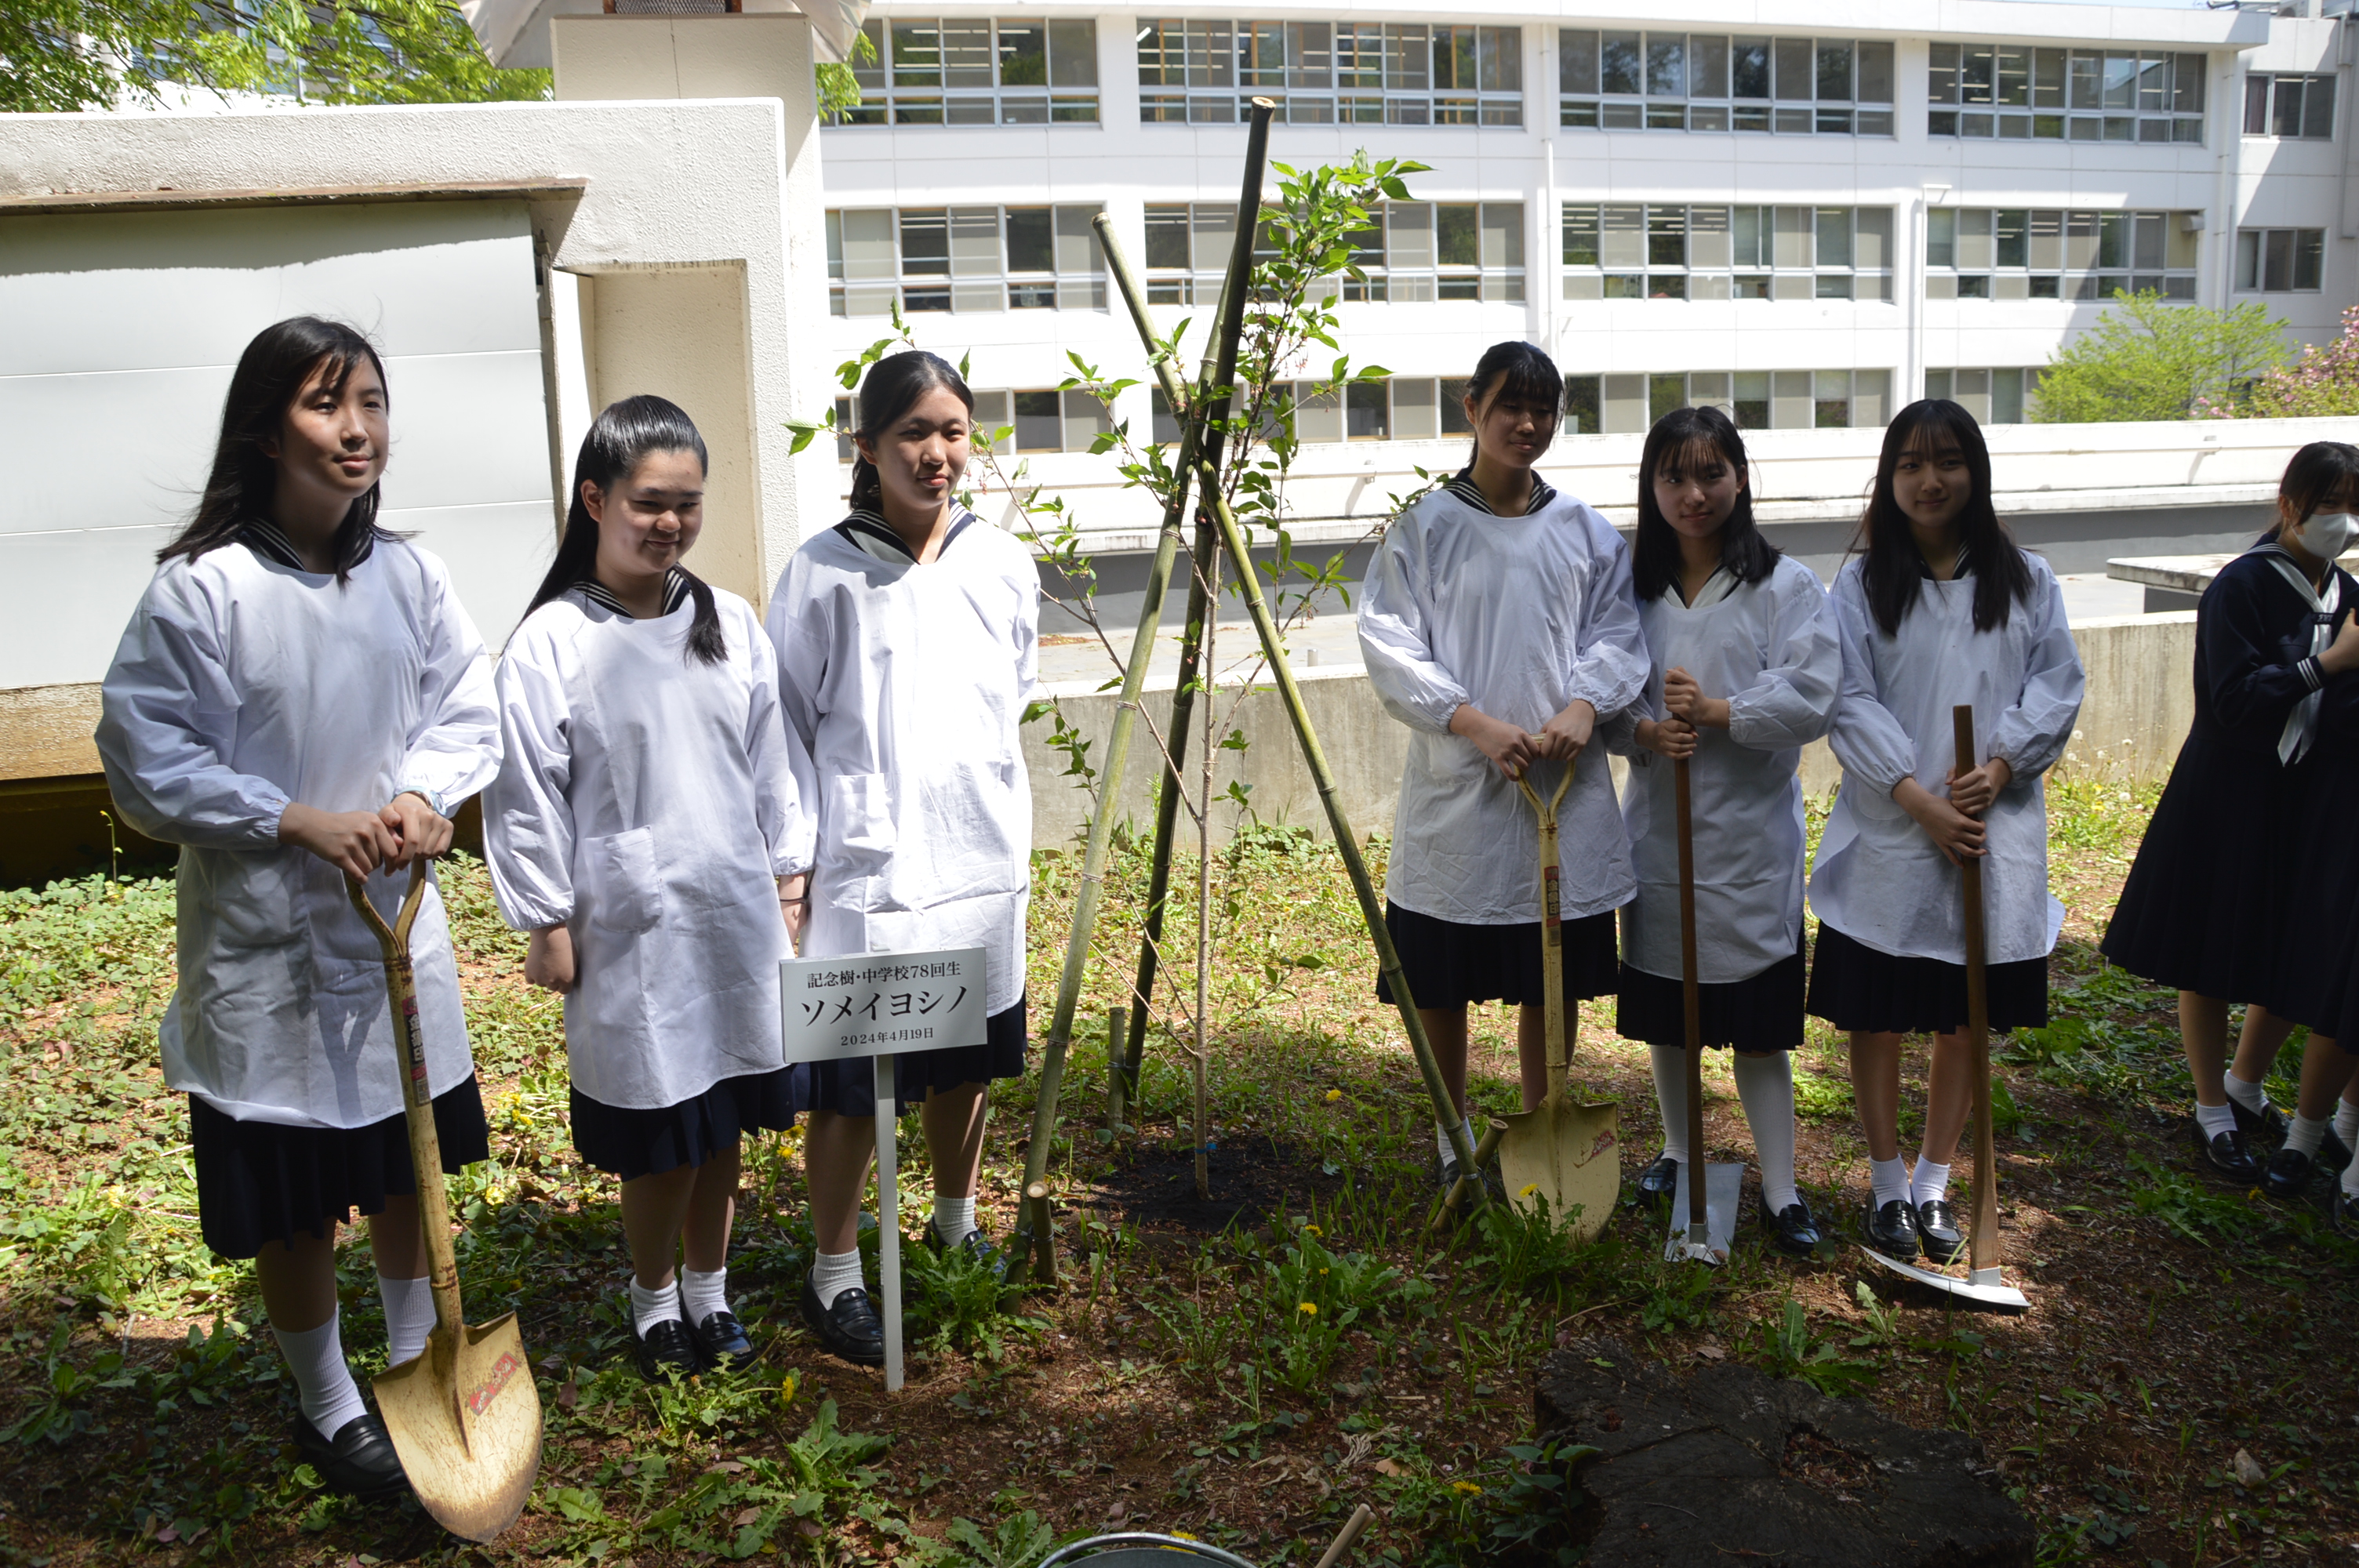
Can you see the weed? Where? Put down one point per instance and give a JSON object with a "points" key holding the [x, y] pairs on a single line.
{"points": [[953, 1300], [1821, 1098], [1786, 1347], [1533, 1250], [1677, 1298]]}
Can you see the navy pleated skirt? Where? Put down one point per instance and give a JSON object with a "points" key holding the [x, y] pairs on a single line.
{"points": [[1859, 989], [635, 1143], [263, 1180], [849, 1088], [1450, 965], [1762, 1012]]}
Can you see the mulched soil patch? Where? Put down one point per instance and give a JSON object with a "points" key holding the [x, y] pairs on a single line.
{"points": [[1154, 1187]]}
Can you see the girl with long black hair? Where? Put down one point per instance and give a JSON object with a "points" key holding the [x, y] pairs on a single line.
{"points": [[298, 700], [1938, 607], [1499, 626], [647, 828], [1747, 665], [907, 638]]}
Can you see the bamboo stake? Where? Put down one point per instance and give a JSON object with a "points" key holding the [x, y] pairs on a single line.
{"points": [[1117, 1091], [1200, 439], [1322, 777], [1211, 568]]}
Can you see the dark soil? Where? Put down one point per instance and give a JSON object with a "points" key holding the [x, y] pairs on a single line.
{"points": [[1153, 1188]]}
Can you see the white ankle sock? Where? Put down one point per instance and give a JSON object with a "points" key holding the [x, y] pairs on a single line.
{"points": [[2215, 1119], [1442, 1138], [2351, 1180], [650, 1307], [701, 1295], [833, 1274], [1766, 1085], [2305, 1134], [1930, 1184], [2252, 1097], [324, 1384], [953, 1218], [2346, 1122], [408, 1317], [1670, 1065], [1890, 1178]]}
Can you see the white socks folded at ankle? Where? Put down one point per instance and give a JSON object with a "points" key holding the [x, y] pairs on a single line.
{"points": [[2346, 1123], [1441, 1139], [1930, 1184], [2252, 1097], [953, 1218], [833, 1274], [324, 1384], [2305, 1135], [2215, 1119], [1889, 1179], [408, 1317], [693, 1297], [652, 1305], [1764, 1086]]}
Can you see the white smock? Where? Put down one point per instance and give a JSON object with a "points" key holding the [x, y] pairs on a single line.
{"points": [[1879, 879], [1772, 649], [1518, 616], [908, 683], [649, 802], [243, 684]]}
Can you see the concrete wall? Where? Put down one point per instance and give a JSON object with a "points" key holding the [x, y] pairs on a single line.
{"points": [[2138, 709]]}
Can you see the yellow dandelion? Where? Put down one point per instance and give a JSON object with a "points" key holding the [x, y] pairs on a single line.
{"points": [[1334, 1095], [1183, 1535], [1310, 1307], [1530, 1189], [1468, 1487], [1313, 1231], [787, 1390]]}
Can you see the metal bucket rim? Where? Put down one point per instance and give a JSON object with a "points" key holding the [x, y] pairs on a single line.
{"points": [[1074, 1553]]}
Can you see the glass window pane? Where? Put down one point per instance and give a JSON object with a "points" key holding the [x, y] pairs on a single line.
{"points": [[1621, 63], [1407, 56], [1073, 54], [1794, 226], [1876, 73], [1166, 235], [1749, 59], [1942, 237], [1581, 235], [2048, 79], [1874, 244], [1665, 394], [1032, 247], [916, 54], [2277, 261], [1708, 236], [1408, 235], [1310, 54], [1040, 422], [1666, 236], [1708, 68], [2121, 81], [2248, 258], [1451, 397], [1834, 236], [1576, 60], [2257, 106], [1502, 235], [966, 53], [1502, 59], [1623, 241], [1796, 69], [2013, 233], [1365, 408], [2318, 108], [1581, 400], [1942, 78], [2309, 257], [2287, 120], [1024, 54], [1457, 239], [1086, 420], [1211, 55], [1412, 417], [1834, 72], [1667, 65], [2088, 81], [1751, 231], [2154, 83], [926, 242], [1977, 74]]}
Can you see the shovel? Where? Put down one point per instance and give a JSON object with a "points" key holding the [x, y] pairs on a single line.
{"points": [[464, 1416], [1986, 1282], [1710, 1228], [1565, 1152]]}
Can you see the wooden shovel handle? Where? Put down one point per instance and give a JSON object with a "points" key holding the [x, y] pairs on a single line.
{"points": [[418, 1095], [1691, 990], [1986, 1249], [1551, 932]]}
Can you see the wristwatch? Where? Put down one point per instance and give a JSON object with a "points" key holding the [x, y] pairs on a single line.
{"points": [[433, 798]]}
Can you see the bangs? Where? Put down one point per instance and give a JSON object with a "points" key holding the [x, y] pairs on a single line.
{"points": [[2320, 472], [1932, 425], [1694, 452], [1531, 381]]}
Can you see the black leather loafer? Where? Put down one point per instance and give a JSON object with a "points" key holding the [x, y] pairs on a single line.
{"points": [[1659, 1182], [669, 1347], [1891, 1229], [1937, 1229], [974, 1242], [2289, 1174], [2333, 1154], [2263, 1129], [722, 1338], [1793, 1229], [360, 1463], [850, 1328], [2225, 1156]]}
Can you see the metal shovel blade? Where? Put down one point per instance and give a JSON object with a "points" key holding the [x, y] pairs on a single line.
{"points": [[1724, 1186], [1568, 1151], [1984, 1287], [465, 1418]]}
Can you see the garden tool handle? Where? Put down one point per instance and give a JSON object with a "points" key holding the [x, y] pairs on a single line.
{"points": [[418, 1094], [1467, 1184], [1985, 1251], [1560, 1069], [1362, 1517], [1691, 990]]}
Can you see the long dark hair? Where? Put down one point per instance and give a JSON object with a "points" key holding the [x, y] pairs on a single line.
{"points": [[1519, 370], [244, 477], [2316, 474], [892, 384], [1894, 567], [620, 438], [1655, 555]]}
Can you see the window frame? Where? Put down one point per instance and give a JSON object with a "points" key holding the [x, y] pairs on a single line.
{"points": [[2259, 253], [1774, 251], [1697, 82], [886, 100], [1398, 71], [2070, 255], [860, 286]]}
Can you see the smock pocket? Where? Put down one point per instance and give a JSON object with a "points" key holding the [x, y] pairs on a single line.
{"points": [[619, 881]]}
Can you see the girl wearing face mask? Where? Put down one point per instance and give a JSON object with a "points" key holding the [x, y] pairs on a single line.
{"points": [[2233, 866], [1499, 627], [1938, 607], [646, 828], [300, 702], [907, 638], [1745, 668]]}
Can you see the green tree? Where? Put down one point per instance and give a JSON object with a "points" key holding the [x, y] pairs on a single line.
{"points": [[2149, 359], [62, 54]]}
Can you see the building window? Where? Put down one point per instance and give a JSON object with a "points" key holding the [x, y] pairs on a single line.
{"points": [[2015, 91], [1629, 251], [963, 259], [968, 70], [1417, 251], [1325, 73], [1043, 421], [1684, 81], [2290, 106], [2014, 253], [1402, 408], [2280, 261], [1994, 397], [1757, 400]]}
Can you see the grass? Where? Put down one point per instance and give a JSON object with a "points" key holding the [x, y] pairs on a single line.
{"points": [[1245, 1371]]}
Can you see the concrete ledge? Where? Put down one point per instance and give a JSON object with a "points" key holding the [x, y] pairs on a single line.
{"points": [[46, 731]]}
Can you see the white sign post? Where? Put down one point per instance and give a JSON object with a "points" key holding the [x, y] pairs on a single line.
{"points": [[883, 1005]]}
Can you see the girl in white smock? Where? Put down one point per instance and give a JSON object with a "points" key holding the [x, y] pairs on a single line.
{"points": [[646, 828], [300, 700], [1940, 609], [1498, 625], [1746, 667], [908, 638]]}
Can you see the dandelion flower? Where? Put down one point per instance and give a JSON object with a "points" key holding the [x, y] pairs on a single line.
{"points": [[1468, 1487], [1310, 1307], [787, 1390], [1313, 1231], [1531, 1189], [1334, 1095]]}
